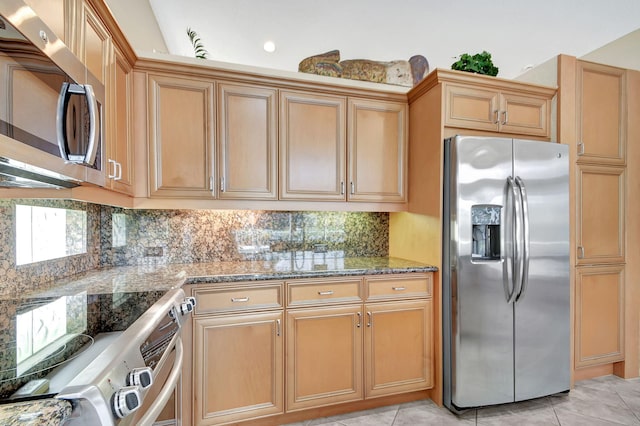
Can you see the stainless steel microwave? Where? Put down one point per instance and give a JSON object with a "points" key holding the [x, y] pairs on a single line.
{"points": [[49, 101]]}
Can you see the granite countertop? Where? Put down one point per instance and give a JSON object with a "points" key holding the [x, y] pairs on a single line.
{"points": [[154, 278], [43, 412], [132, 279]]}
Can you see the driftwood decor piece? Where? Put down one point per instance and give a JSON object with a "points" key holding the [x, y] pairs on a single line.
{"points": [[402, 73]]}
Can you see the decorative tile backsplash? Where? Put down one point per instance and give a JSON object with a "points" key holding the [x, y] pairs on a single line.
{"points": [[119, 237]]}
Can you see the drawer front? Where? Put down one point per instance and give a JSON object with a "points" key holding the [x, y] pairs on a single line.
{"points": [[213, 300], [398, 286], [314, 292]]}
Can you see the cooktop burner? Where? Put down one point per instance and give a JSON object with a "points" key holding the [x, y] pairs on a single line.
{"points": [[39, 334]]}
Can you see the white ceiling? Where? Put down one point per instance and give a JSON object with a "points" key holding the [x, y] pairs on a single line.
{"points": [[517, 33]]}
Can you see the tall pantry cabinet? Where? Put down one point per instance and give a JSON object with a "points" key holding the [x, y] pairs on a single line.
{"points": [[597, 117]]}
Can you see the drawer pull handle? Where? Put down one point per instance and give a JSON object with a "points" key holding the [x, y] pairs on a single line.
{"points": [[278, 327], [325, 293], [370, 319], [399, 288], [359, 320], [240, 299]]}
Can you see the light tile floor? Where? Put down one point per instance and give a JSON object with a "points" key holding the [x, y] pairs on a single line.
{"points": [[607, 400]]}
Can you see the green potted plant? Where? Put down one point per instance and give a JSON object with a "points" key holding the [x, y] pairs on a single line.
{"points": [[480, 63]]}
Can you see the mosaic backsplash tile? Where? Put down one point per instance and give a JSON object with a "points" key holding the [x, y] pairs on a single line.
{"points": [[120, 237]]}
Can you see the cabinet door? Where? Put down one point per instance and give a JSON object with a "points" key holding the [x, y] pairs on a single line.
{"points": [[599, 315], [180, 137], [525, 115], [247, 135], [398, 347], [600, 199], [600, 97], [94, 43], [119, 124], [238, 367], [312, 146], [471, 108], [324, 356], [58, 15], [377, 150]]}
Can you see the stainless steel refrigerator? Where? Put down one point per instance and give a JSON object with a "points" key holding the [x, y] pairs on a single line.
{"points": [[505, 270]]}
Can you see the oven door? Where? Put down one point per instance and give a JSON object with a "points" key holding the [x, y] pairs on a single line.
{"points": [[162, 400]]}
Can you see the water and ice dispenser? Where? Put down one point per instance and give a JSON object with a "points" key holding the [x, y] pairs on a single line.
{"points": [[485, 232]]}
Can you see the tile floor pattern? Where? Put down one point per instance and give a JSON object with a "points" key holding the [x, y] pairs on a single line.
{"points": [[607, 400]]}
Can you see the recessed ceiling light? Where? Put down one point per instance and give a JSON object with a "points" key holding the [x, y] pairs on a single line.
{"points": [[269, 46]]}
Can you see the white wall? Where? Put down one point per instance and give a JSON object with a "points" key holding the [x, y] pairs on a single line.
{"points": [[623, 52], [138, 24]]}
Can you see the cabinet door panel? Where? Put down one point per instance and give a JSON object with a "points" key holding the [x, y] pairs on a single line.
{"points": [[239, 360], [94, 44], [120, 141], [471, 108], [248, 142], [312, 146], [324, 356], [398, 347], [525, 115], [181, 146], [599, 315], [600, 214], [377, 151], [601, 113]]}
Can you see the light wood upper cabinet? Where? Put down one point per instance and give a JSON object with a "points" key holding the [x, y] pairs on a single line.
{"points": [[181, 145], [599, 334], [601, 110], [119, 125], [470, 106], [93, 43], [312, 146], [377, 150], [57, 14], [398, 331], [239, 362], [247, 135], [600, 204], [324, 356]]}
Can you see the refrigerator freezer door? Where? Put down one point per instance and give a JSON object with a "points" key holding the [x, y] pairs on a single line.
{"points": [[542, 310], [481, 318]]}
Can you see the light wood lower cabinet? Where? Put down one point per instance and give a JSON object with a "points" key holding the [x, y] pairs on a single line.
{"points": [[324, 356], [599, 332], [397, 347], [238, 362]]}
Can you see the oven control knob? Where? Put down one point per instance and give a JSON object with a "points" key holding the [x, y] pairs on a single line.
{"points": [[125, 401], [187, 305], [142, 377]]}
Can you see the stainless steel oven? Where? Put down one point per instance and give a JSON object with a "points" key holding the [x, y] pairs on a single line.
{"points": [[131, 374]]}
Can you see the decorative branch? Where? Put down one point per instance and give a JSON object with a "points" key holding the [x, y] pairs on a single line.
{"points": [[198, 47]]}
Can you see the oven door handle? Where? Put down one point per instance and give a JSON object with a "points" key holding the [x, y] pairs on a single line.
{"points": [[154, 411]]}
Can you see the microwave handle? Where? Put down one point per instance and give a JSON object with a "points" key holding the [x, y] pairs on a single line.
{"points": [[61, 114], [92, 149]]}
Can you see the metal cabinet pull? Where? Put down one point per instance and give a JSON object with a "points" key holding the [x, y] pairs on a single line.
{"points": [[580, 252], [211, 183], [353, 188], [325, 293], [222, 184], [496, 120], [110, 175], [278, 327], [240, 299], [342, 188], [580, 148], [505, 114], [359, 320], [369, 319], [119, 171], [399, 288]]}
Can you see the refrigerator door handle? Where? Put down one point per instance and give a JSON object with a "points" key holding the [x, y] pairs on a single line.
{"points": [[516, 253], [525, 238]]}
